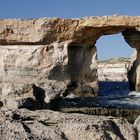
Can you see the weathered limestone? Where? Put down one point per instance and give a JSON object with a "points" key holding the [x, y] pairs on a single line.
{"points": [[115, 69], [137, 126], [50, 68], [49, 30], [132, 37], [42, 55], [45, 124]]}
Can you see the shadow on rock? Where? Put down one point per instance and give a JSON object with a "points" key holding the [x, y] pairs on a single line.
{"points": [[39, 94], [1, 104]]}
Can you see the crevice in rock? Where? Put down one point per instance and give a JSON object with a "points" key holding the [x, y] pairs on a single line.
{"points": [[1, 104], [47, 123], [63, 136], [26, 128], [18, 117], [39, 94], [137, 134], [107, 135], [28, 131], [114, 128]]}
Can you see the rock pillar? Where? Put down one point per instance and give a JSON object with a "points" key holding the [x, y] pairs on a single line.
{"points": [[132, 37], [82, 70]]}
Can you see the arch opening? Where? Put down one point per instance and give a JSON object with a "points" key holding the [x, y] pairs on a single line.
{"points": [[113, 64]]}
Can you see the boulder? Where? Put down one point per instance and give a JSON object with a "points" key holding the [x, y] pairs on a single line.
{"points": [[31, 96]]}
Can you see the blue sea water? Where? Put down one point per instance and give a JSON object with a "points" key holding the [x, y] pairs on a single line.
{"points": [[117, 94], [113, 88], [111, 94]]}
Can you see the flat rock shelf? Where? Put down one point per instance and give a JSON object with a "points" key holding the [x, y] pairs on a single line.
{"points": [[114, 100]]}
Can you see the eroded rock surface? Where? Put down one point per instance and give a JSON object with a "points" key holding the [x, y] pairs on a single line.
{"points": [[137, 126], [42, 55], [46, 70], [48, 30], [45, 124]]}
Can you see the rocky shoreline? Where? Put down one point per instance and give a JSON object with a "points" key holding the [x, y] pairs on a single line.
{"points": [[20, 123], [46, 124], [110, 119], [24, 124], [50, 80]]}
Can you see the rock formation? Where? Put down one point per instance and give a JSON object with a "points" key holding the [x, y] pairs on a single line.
{"points": [[137, 126], [115, 69], [43, 59], [45, 124]]}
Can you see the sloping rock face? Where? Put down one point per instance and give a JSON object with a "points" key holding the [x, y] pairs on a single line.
{"points": [[137, 126], [115, 69], [45, 124], [43, 59]]}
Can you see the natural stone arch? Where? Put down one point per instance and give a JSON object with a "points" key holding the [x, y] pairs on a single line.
{"points": [[34, 51], [112, 34], [113, 61], [131, 36], [87, 79]]}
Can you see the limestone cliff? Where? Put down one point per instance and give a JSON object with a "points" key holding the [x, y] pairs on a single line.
{"points": [[43, 59], [114, 69]]}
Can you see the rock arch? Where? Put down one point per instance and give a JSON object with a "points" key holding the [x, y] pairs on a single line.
{"points": [[45, 51], [132, 37]]}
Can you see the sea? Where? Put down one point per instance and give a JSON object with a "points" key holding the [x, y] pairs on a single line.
{"points": [[110, 95]]}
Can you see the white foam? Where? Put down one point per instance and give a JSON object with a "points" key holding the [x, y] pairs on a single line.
{"points": [[134, 93]]}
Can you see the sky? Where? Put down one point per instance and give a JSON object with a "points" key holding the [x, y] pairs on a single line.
{"points": [[108, 46]]}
